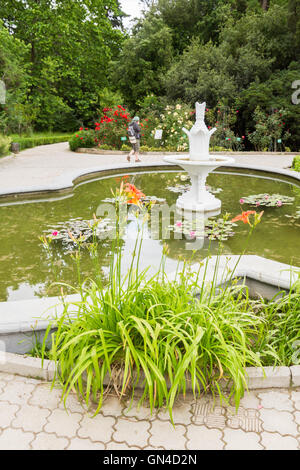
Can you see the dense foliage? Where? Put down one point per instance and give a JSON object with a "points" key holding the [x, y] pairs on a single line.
{"points": [[66, 47], [296, 163], [234, 54], [63, 62]]}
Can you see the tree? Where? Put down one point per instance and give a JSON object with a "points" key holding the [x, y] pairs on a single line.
{"points": [[197, 18], [265, 4], [71, 44], [145, 57], [275, 93], [249, 51], [294, 24], [13, 72]]}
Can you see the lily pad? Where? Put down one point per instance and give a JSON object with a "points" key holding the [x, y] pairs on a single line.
{"points": [[68, 233], [267, 200], [182, 188], [214, 229]]}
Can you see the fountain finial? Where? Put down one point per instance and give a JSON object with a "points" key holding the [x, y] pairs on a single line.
{"points": [[199, 136], [200, 111]]}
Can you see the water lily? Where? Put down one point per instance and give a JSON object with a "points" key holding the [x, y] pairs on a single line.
{"points": [[279, 203], [242, 201], [55, 233]]}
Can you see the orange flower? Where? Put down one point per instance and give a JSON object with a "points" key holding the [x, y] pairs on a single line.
{"points": [[133, 194], [244, 216]]}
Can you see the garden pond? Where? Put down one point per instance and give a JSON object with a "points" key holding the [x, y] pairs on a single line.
{"points": [[27, 270]]}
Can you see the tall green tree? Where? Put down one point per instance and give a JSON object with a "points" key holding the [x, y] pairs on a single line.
{"points": [[197, 18], [294, 24], [70, 46], [13, 73], [145, 58], [250, 50]]}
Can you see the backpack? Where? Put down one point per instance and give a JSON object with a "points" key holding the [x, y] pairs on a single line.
{"points": [[131, 134]]}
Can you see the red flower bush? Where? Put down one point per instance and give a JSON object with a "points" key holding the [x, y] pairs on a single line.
{"points": [[112, 126]]}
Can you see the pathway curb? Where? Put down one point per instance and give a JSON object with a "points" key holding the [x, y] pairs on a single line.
{"points": [[295, 371], [97, 151], [27, 366], [270, 377]]}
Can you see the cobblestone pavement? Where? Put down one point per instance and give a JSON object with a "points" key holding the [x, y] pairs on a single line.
{"points": [[32, 416]]}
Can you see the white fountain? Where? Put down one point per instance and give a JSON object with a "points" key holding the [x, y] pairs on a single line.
{"points": [[199, 164]]}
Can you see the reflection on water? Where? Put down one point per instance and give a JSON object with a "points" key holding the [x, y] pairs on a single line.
{"points": [[25, 269]]}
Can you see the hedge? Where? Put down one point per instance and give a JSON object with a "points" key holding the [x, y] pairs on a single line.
{"points": [[30, 142]]}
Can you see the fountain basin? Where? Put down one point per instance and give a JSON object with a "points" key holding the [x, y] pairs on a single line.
{"points": [[198, 199]]}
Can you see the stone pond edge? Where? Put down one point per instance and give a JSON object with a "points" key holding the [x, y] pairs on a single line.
{"points": [[269, 377], [68, 182]]}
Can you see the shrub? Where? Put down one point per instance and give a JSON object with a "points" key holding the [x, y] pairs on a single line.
{"points": [[268, 130], [112, 126], [4, 145], [296, 163], [171, 121], [145, 148], [84, 138], [34, 141], [105, 147], [126, 148], [216, 148], [224, 119]]}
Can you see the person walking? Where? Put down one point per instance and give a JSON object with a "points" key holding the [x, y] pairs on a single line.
{"points": [[134, 133]]}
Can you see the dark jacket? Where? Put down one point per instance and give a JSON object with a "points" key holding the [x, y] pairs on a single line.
{"points": [[137, 129]]}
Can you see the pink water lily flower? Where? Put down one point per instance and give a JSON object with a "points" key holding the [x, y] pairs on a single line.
{"points": [[55, 233], [178, 224], [242, 201], [192, 234], [279, 203]]}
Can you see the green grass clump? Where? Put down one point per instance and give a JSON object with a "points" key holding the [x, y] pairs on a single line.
{"points": [[4, 145], [296, 163], [279, 338], [155, 331]]}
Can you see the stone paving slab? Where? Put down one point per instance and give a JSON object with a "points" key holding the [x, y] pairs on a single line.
{"points": [[51, 167], [32, 416]]}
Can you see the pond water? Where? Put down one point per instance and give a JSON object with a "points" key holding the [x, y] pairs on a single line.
{"points": [[25, 268]]}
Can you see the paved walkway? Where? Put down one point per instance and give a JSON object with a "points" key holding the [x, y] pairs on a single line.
{"points": [[33, 417], [55, 166]]}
